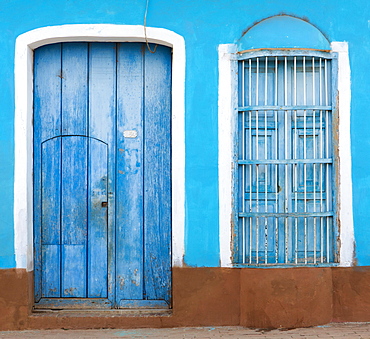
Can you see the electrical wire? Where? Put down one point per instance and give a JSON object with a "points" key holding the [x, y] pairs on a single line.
{"points": [[146, 38]]}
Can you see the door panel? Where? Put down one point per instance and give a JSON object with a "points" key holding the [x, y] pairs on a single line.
{"points": [[74, 63], [102, 126], [97, 241], [130, 170], [157, 182], [73, 228], [50, 218], [47, 123], [102, 169], [143, 177]]}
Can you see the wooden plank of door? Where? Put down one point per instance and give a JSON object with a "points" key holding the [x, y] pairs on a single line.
{"points": [[157, 174], [47, 93], [102, 124], [97, 253], [74, 216], [74, 169], [74, 88], [47, 124], [50, 221], [129, 226], [50, 271]]}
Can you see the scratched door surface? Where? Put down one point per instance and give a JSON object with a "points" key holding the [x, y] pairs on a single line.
{"points": [[102, 168]]}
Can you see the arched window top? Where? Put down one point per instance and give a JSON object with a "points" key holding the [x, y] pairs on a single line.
{"points": [[283, 31]]}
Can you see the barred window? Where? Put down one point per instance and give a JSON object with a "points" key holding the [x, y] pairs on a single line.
{"points": [[286, 192]]}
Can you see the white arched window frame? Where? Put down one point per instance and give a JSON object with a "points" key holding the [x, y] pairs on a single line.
{"points": [[23, 177], [228, 112]]}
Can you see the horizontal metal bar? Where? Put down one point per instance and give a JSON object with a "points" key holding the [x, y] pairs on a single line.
{"points": [[285, 108], [299, 195], [286, 215], [285, 161], [271, 127]]}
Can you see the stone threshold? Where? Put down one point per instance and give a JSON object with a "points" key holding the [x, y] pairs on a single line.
{"points": [[101, 312]]}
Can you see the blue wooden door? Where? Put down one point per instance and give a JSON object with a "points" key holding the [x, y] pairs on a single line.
{"points": [[102, 169]]}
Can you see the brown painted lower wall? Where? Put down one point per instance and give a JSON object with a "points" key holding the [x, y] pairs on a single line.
{"points": [[14, 299], [351, 297], [288, 297], [261, 298]]}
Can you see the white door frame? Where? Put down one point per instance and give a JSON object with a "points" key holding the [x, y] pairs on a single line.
{"points": [[23, 130]]}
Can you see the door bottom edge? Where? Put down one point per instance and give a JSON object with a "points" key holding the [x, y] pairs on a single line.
{"points": [[87, 312]]}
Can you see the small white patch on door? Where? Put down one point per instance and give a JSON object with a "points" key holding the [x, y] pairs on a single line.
{"points": [[130, 134]]}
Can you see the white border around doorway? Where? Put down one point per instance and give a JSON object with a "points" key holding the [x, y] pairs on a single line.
{"points": [[23, 72]]}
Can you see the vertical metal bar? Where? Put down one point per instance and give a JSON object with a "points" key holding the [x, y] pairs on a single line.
{"points": [[266, 166], [257, 169], [250, 166], [304, 157], [295, 147], [243, 166], [321, 165], [327, 165], [314, 156], [276, 166], [286, 155]]}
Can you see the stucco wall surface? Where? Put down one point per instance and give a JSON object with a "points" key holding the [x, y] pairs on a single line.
{"points": [[274, 298], [203, 25]]}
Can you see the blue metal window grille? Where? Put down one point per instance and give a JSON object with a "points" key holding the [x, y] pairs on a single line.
{"points": [[286, 193]]}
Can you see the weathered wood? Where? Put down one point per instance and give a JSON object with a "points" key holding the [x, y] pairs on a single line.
{"points": [[97, 254], [74, 216], [50, 216], [74, 304], [47, 124], [74, 88], [47, 93], [102, 147], [102, 126], [51, 271], [130, 222], [157, 174]]}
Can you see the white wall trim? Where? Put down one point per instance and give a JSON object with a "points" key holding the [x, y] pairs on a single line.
{"points": [[345, 210], [227, 120], [227, 115], [23, 180]]}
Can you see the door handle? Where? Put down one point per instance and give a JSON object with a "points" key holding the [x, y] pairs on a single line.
{"points": [[104, 204]]}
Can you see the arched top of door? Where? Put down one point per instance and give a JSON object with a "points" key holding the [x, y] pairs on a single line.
{"points": [[283, 31]]}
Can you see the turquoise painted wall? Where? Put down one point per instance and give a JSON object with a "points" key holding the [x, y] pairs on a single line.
{"points": [[283, 31], [204, 25]]}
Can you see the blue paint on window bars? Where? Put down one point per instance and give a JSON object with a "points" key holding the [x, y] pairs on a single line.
{"points": [[286, 193]]}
